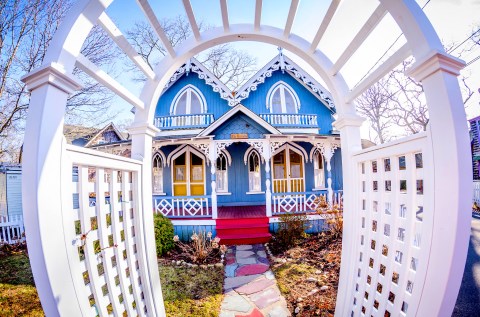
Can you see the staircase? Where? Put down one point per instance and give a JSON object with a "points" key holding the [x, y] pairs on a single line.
{"points": [[236, 231]]}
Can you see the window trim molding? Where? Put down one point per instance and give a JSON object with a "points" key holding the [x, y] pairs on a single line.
{"points": [[188, 89], [313, 152], [227, 164], [162, 161], [278, 85], [250, 153], [187, 149]]}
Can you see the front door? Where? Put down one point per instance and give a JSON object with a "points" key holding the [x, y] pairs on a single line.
{"points": [[288, 172], [188, 175]]}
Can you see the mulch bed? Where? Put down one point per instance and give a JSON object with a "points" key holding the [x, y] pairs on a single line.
{"points": [[308, 273], [178, 256]]}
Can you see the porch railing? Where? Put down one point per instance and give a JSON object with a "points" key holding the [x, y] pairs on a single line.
{"points": [[281, 185], [291, 120], [301, 202], [183, 206], [188, 121], [12, 229]]}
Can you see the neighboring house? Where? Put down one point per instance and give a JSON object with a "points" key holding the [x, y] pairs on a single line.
{"points": [[10, 191], [475, 144], [264, 150]]}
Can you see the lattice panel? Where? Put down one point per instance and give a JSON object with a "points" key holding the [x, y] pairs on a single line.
{"points": [[105, 206], [390, 220]]}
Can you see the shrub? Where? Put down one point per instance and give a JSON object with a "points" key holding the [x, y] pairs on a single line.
{"points": [[201, 249], [163, 234], [291, 228], [333, 215]]}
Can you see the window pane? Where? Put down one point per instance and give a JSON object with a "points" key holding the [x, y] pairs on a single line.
{"points": [[181, 106], [254, 181], [180, 160], [221, 163], [254, 162], [196, 160], [197, 173], [196, 105], [180, 173], [279, 158], [276, 102], [279, 171], [289, 102], [295, 157], [295, 170]]}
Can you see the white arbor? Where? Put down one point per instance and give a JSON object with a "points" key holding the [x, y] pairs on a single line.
{"points": [[406, 220]]}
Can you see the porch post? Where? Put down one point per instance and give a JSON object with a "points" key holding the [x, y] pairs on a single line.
{"points": [[268, 192], [213, 163], [328, 153]]}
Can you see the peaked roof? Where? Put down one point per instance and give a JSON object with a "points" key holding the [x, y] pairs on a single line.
{"points": [[237, 109], [279, 62], [85, 136], [282, 62], [193, 65]]}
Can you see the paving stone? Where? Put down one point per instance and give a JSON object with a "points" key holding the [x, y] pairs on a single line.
{"points": [[244, 254], [225, 313], [244, 247], [230, 270], [234, 282], [236, 303], [250, 260], [279, 311], [269, 274], [262, 254], [252, 269], [254, 313], [230, 261], [266, 297], [263, 260], [255, 286]]}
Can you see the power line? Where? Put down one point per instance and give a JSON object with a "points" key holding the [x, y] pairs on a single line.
{"points": [[388, 49], [472, 61], [464, 41]]}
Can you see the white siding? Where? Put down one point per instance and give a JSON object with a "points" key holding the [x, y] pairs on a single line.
{"points": [[14, 193]]}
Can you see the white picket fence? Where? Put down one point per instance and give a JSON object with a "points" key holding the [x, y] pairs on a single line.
{"points": [[12, 229]]}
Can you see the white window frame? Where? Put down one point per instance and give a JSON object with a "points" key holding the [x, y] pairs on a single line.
{"points": [[282, 86], [319, 173], [252, 174], [158, 162], [222, 174], [187, 150], [189, 90]]}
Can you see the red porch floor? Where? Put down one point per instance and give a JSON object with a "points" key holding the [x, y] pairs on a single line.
{"points": [[229, 212]]}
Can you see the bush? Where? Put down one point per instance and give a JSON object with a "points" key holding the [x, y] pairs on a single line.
{"points": [[333, 215], [290, 229], [163, 234], [202, 248]]}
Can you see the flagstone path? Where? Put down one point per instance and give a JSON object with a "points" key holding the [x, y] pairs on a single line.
{"points": [[250, 286]]}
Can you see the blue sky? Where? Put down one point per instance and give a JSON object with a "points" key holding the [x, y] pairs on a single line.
{"points": [[453, 20]]}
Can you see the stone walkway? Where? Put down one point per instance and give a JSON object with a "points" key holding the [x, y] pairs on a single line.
{"points": [[250, 286]]}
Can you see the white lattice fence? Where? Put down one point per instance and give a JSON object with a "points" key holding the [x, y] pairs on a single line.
{"points": [[392, 239], [105, 235], [184, 206]]}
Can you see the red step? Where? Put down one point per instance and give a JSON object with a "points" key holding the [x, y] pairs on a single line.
{"points": [[236, 231]]}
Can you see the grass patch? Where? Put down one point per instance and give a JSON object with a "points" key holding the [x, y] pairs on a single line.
{"points": [[290, 274], [191, 292], [18, 296]]}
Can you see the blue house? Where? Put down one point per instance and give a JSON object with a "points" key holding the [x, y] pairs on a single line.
{"points": [[232, 161]]}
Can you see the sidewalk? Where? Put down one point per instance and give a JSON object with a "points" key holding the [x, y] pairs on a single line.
{"points": [[250, 286]]}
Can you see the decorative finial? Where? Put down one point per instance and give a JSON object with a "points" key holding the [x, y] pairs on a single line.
{"points": [[282, 61]]}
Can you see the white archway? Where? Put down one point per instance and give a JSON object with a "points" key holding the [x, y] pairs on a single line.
{"points": [[48, 162]]}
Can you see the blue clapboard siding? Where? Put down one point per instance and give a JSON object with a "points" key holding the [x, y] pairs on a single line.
{"points": [[215, 105], [239, 123], [312, 226], [184, 233], [256, 101]]}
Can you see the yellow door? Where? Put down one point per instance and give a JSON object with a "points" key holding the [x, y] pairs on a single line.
{"points": [[288, 172], [188, 175]]}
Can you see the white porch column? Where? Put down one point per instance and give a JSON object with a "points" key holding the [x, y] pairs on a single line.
{"points": [[328, 154], [213, 170], [42, 196], [268, 193], [142, 135]]}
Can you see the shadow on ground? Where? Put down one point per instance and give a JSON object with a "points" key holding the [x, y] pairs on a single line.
{"points": [[468, 300]]}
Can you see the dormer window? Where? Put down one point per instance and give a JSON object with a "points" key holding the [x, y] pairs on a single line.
{"points": [[281, 98], [189, 100]]}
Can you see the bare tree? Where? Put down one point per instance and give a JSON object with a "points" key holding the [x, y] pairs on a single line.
{"points": [[374, 104], [230, 65], [26, 30]]}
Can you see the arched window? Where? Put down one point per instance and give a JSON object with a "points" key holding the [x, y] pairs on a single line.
{"points": [[189, 100], [281, 98], [221, 173], [318, 170], [254, 179], [157, 174]]}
